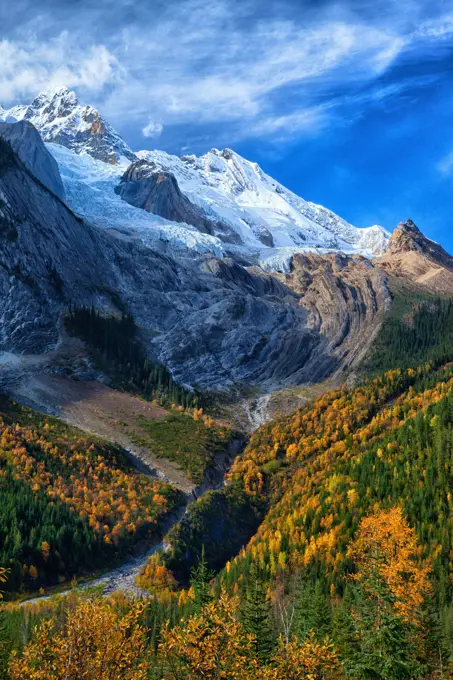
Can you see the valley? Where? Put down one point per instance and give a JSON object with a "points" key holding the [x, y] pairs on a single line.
{"points": [[225, 414]]}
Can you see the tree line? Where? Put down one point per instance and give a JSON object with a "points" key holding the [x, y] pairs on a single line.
{"points": [[116, 348]]}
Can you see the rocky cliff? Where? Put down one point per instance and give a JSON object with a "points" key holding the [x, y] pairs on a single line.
{"points": [[411, 257], [157, 191], [27, 143], [346, 298], [215, 322], [212, 322]]}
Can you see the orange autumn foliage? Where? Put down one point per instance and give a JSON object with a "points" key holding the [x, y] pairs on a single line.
{"points": [[306, 454], [213, 645], [97, 642], [311, 660], [156, 578], [386, 545], [209, 646], [92, 479]]}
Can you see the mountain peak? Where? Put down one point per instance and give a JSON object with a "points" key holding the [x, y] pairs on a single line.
{"points": [[61, 119], [52, 93], [409, 227], [407, 237], [411, 255]]}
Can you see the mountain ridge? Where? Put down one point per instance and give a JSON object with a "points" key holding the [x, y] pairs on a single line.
{"points": [[253, 209], [218, 314]]}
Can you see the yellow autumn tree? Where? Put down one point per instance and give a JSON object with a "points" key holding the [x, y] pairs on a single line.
{"points": [[156, 578], [3, 578], [310, 660], [209, 646], [97, 642], [387, 546]]}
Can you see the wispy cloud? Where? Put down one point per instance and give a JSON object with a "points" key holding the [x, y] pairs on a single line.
{"points": [[28, 67], [445, 165], [261, 70]]}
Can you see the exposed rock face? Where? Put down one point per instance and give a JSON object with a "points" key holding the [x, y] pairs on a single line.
{"points": [[61, 119], [217, 323], [407, 237], [27, 143], [345, 298], [157, 192], [413, 257], [46, 256]]}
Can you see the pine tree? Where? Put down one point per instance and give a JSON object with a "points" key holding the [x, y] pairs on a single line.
{"points": [[256, 615], [342, 623], [383, 644], [312, 610], [200, 581]]}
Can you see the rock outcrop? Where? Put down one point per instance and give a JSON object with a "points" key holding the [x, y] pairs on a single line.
{"points": [[415, 259], [27, 143], [346, 298], [157, 191], [212, 322]]}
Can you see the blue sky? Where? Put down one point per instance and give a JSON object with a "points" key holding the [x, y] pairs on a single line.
{"points": [[348, 103]]}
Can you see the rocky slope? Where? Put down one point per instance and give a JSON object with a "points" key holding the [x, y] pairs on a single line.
{"points": [[218, 313], [411, 257], [211, 321], [346, 298], [27, 143], [157, 192]]}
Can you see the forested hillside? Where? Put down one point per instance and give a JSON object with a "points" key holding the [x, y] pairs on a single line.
{"points": [[328, 554], [69, 503], [417, 329], [355, 484]]}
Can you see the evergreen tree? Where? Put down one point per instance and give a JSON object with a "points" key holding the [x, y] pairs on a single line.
{"points": [[342, 623], [200, 582], [256, 615], [383, 644], [312, 610]]}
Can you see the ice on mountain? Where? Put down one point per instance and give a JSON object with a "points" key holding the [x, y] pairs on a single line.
{"points": [[226, 187]]}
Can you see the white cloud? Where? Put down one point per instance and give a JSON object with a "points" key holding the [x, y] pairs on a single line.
{"points": [[219, 63], [153, 129], [441, 27], [445, 165], [28, 67], [204, 77], [310, 120]]}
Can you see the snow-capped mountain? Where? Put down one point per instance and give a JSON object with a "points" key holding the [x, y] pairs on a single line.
{"points": [[61, 119], [237, 207], [236, 191]]}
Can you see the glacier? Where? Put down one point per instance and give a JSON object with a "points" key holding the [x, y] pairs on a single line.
{"points": [[271, 222]]}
